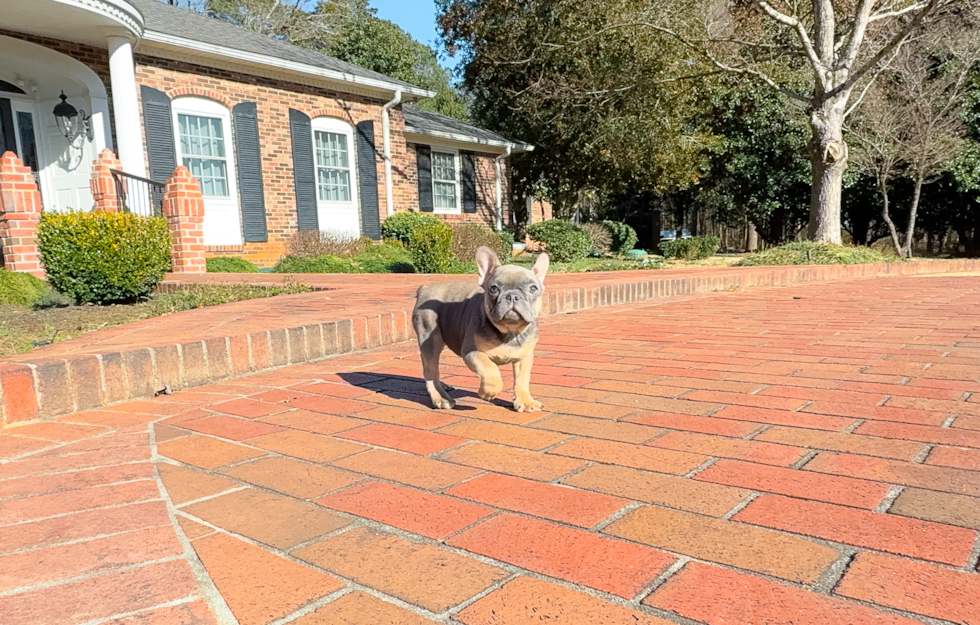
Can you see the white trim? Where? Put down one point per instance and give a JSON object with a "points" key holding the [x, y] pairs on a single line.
{"points": [[459, 187], [122, 75], [498, 199], [228, 229], [119, 11], [425, 138], [327, 210], [282, 64]]}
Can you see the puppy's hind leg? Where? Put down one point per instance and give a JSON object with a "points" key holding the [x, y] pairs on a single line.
{"points": [[430, 348]]}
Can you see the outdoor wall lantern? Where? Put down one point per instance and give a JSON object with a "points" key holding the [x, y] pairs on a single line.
{"points": [[71, 122]]}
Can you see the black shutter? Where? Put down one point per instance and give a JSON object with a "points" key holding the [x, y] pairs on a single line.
{"points": [[367, 176], [304, 174], [469, 181], [8, 141], [423, 158], [159, 125], [250, 191]]}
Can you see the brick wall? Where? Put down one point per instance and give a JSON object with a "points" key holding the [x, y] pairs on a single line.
{"points": [[485, 190], [274, 99]]}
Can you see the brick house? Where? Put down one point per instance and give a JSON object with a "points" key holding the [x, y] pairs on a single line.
{"points": [[280, 138]]}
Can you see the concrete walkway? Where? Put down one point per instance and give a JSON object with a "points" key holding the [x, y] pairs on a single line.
{"points": [[797, 455]]}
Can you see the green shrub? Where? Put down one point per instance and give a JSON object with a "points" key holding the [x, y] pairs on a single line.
{"points": [[383, 258], [400, 225], [21, 289], [103, 257], [812, 253], [563, 240], [506, 243], [694, 248], [432, 245], [623, 236], [231, 264]]}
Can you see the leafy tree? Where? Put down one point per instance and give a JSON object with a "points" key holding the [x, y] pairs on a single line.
{"points": [[596, 101], [759, 173], [382, 46]]}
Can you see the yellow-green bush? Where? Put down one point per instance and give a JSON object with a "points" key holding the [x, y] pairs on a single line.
{"points": [[104, 257], [432, 248]]}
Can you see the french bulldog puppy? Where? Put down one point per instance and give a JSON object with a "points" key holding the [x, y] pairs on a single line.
{"points": [[490, 322]]}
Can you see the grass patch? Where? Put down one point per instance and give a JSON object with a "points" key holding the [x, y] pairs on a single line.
{"points": [[21, 289], [812, 253], [23, 328], [230, 264], [586, 265]]}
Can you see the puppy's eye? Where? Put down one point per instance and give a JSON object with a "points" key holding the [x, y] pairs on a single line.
{"points": [[494, 290], [533, 289]]}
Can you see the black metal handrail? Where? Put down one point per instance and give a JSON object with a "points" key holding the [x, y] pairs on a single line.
{"points": [[140, 196]]}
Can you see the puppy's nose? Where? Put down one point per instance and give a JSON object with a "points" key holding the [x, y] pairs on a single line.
{"points": [[513, 297]]}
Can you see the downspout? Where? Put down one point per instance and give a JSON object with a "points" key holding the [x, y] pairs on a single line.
{"points": [[499, 197], [386, 134]]}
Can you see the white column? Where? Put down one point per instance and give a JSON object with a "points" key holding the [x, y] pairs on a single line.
{"points": [[129, 134]]}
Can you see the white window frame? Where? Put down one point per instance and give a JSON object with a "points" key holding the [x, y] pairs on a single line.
{"points": [[229, 230], [458, 182], [327, 210]]}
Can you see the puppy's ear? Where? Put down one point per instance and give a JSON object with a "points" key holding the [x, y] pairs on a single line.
{"points": [[486, 263], [540, 268]]}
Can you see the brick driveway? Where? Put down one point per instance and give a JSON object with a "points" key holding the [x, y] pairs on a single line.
{"points": [[782, 456]]}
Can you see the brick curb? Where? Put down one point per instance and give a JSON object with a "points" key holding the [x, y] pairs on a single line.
{"points": [[51, 387]]}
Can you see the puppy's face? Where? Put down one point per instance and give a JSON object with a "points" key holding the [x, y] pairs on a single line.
{"points": [[512, 294]]}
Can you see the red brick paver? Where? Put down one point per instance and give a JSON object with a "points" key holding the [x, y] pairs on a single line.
{"points": [[805, 454]]}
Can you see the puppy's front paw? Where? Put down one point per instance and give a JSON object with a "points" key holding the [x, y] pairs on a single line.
{"points": [[526, 404], [490, 389], [443, 403]]}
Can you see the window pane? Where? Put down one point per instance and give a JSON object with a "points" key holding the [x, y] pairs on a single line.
{"points": [[444, 195], [331, 150], [443, 166], [203, 150], [333, 184], [211, 174]]}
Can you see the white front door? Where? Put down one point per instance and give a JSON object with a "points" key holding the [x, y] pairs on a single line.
{"points": [[63, 170], [336, 178], [203, 141]]}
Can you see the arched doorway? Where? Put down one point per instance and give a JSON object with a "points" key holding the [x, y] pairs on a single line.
{"points": [[31, 79]]}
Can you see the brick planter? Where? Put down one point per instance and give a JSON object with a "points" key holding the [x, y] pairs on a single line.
{"points": [[46, 386]]}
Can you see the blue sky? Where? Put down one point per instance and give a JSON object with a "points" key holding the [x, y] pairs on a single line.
{"points": [[418, 17]]}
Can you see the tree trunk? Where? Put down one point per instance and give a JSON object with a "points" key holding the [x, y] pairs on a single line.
{"points": [[656, 225], [883, 188], [913, 212], [753, 242], [828, 157]]}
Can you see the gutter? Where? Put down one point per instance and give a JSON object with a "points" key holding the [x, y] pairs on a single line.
{"points": [[386, 134], [499, 197]]}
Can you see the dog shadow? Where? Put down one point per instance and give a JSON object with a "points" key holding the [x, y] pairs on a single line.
{"points": [[409, 388]]}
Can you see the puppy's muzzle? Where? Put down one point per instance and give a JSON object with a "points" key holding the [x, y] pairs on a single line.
{"points": [[513, 306]]}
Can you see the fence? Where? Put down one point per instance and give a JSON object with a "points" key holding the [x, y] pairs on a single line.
{"points": [[140, 196]]}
